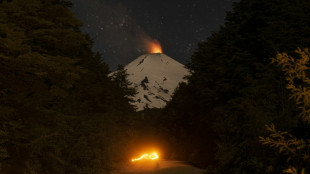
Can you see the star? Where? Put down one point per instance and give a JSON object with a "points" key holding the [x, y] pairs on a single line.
{"points": [[122, 26]]}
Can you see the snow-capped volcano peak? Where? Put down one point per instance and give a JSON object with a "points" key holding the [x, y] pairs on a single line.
{"points": [[155, 76]]}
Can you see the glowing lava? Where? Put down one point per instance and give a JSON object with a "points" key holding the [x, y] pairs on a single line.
{"points": [[155, 47], [146, 156]]}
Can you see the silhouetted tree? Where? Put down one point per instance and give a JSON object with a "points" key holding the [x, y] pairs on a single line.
{"points": [[59, 110], [234, 90]]}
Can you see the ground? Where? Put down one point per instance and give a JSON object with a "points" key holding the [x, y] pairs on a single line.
{"points": [[158, 167]]}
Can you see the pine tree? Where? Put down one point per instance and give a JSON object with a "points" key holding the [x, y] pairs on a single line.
{"points": [[296, 148], [120, 78], [58, 108], [236, 91]]}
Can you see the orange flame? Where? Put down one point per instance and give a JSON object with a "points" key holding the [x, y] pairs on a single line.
{"points": [[152, 156], [155, 47]]}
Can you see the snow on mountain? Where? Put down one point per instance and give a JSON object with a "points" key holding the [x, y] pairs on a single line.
{"points": [[155, 76]]}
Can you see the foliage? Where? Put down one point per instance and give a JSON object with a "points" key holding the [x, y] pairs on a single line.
{"points": [[120, 77], [59, 110], [234, 91], [296, 149], [297, 69]]}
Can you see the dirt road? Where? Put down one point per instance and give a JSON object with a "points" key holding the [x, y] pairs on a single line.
{"points": [[159, 167]]}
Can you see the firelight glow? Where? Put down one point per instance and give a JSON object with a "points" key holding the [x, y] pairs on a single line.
{"points": [[146, 156], [155, 47]]}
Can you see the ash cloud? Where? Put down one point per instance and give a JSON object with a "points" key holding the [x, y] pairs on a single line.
{"points": [[116, 34]]}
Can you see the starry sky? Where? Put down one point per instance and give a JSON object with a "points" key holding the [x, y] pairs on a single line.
{"points": [[121, 28]]}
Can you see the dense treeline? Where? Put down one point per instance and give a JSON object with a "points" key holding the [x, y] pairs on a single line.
{"points": [[59, 110], [216, 119]]}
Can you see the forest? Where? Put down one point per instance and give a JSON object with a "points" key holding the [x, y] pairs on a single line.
{"points": [[244, 109]]}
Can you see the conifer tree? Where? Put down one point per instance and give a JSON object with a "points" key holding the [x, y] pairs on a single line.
{"points": [[234, 89], [296, 148], [120, 77], [58, 106]]}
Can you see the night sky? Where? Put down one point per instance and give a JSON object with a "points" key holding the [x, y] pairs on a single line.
{"points": [[121, 28]]}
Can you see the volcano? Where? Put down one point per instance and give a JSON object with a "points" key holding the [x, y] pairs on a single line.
{"points": [[155, 77]]}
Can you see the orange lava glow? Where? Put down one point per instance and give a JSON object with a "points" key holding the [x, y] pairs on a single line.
{"points": [[146, 156], [155, 47]]}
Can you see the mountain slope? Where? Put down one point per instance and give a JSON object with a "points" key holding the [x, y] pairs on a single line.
{"points": [[155, 76]]}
